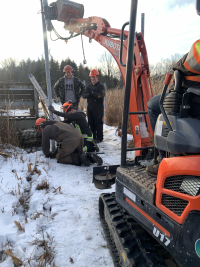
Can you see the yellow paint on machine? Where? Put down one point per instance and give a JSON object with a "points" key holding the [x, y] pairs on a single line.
{"points": [[124, 256]]}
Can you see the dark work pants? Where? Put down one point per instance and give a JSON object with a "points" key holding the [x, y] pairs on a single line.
{"points": [[95, 120], [153, 109]]}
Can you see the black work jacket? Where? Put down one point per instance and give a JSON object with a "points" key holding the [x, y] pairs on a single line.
{"points": [[185, 72], [94, 93], [79, 118]]}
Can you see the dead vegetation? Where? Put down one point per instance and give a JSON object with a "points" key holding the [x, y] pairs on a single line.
{"points": [[43, 185], [47, 244], [8, 130], [15, 260], [19, 226], [115, 101]]}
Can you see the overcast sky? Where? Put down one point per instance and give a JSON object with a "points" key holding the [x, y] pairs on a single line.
{"points": [[171, 26]]}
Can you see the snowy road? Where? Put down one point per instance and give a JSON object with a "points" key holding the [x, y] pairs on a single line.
{"points": [[59, 223]]}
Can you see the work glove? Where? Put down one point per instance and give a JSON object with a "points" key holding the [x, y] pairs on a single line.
{"points": [[51, 109], [52, 155]]}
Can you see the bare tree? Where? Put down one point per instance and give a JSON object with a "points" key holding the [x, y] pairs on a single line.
{"points": [[108, 65], [165, 65]]}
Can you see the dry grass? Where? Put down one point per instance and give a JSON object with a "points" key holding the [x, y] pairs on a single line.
{"points": [[44, 185], [115, 102], [8, 131], [19, 226], [47, 257], [15, 260]]}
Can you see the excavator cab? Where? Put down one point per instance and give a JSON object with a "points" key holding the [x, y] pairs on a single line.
{"points": [[182, 136]]}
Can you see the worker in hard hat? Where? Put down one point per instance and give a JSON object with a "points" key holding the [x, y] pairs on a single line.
{"points": [[95, 95], [69, 87], [73, 115], [189, 69], [70, 142]]}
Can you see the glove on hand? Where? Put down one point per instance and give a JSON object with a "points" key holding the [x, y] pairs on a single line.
{"points": [[51, 108], [52, 155]]}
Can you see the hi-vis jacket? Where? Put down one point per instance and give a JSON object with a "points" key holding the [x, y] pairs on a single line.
{"points": [[189, 66]]}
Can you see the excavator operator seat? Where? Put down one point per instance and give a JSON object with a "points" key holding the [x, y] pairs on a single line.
{"points": [[181, 113]]}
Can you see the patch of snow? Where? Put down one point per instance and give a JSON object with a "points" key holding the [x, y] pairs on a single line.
{"points": [[63, 216]]}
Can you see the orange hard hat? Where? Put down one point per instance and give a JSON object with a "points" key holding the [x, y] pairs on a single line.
{"points": [[67, 106], [93, 73], [67, 68], [38, 122]]}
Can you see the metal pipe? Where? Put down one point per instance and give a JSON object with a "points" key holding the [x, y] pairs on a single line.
{"points": [[129, 67], [142, 24], [46, 52], [105, 104], [138, 112], [121, 44], [139, 148]]}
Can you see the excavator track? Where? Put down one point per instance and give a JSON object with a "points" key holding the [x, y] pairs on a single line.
{"points": [[129, 244]]}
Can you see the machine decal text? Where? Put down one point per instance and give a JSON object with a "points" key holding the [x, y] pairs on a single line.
{"points": [[162, 237]]}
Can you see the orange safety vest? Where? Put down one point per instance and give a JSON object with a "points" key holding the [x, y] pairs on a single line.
{"points": [[192, 62]]}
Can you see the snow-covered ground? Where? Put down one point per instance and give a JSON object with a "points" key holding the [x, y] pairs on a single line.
{"points": [[61, 221], [26, 112]]}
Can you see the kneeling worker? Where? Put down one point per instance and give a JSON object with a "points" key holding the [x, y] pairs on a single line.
{"points": [[72, 115], [70, 140], [78, 118]]}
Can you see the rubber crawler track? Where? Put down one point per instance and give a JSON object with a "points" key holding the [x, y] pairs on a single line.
{"points": [[29, 138], [129, 244]]}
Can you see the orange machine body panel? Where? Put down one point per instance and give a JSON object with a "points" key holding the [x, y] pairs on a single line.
{"points": [[172, 167]]}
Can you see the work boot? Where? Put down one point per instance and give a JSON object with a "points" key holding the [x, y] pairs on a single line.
{"points": [[84, 159], [94, 158], [153, 170]]}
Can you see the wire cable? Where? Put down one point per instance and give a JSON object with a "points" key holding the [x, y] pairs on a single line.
{"points": [[71, 36], [84, 60]]}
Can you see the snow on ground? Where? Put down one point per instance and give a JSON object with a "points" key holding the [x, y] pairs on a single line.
{"points": [[60, 221], [26, 112]]}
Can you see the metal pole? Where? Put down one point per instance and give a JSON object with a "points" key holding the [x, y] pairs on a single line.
{"points": [[86, 98], [105, 104], [129, 67], [48, 78], [142, 24]]}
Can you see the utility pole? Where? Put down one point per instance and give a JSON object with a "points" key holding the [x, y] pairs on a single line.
{"points": [[44, 4]]}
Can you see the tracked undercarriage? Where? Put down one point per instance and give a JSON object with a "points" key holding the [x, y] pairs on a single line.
{"points": [[129, 244]]}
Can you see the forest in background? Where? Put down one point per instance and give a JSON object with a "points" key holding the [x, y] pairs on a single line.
{"points": [[12, 70]]}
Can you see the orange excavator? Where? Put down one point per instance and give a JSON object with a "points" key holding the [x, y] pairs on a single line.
{"points": [[148, 221]]}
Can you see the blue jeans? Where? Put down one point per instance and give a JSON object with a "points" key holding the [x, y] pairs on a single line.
{"points": [[153, 109]]}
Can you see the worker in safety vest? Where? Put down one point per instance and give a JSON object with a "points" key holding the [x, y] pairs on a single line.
{"points": [[78, 118], [70, 141], [189, 68]]}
